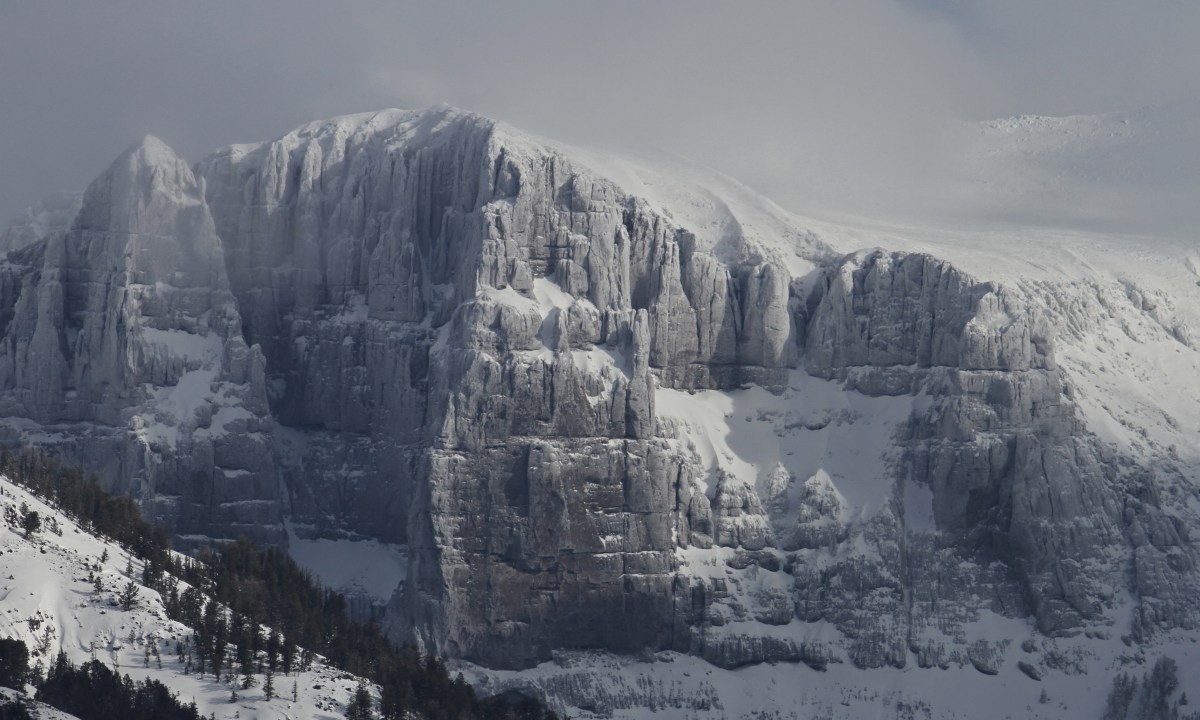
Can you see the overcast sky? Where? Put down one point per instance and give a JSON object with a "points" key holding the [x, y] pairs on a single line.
{"points": [[799, 99]]}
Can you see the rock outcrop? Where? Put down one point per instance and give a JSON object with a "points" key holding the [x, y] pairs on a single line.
{"points": [[484, 325], [123, 343]]}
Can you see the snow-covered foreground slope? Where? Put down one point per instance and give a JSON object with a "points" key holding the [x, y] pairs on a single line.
{"points": [[40, 711], [47, 601]]}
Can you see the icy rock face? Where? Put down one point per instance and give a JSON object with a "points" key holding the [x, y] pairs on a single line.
{"points": [[882, 310], [995, 502], [1014, 475], [463, 333], [124, 343], [999, 446]]}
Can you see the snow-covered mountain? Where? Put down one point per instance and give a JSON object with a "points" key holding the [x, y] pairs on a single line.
{"points": [[627, 432]]}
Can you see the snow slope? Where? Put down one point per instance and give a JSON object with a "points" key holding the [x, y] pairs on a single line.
{"points": [[40, 711], [47, 601]]}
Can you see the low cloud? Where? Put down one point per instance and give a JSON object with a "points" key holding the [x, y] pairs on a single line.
{"points": [[819, 105]]}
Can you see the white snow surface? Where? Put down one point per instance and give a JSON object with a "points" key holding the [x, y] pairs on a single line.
{"points": [[1137, 171], [814, 428], [674, 686]]}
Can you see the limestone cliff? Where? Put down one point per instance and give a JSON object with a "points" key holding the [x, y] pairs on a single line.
{"points": [[122, 350]]}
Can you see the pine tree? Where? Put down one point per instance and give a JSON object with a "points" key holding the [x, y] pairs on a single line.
{"points": [[14, 663], [360, 706], [269, 684], [128, 596], [273, 650], [200, 656], [31, 523], [289, 654]]}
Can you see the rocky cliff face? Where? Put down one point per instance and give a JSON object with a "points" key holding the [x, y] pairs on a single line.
{"points": [[466, 330], [123, 351], [598, 421]]}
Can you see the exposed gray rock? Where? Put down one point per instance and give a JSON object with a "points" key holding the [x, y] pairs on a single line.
{"points": [[125, 343], [735, 652], [1030, 670]]}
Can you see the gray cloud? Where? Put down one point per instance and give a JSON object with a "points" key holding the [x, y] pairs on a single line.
{"points": [[814, 103]]}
